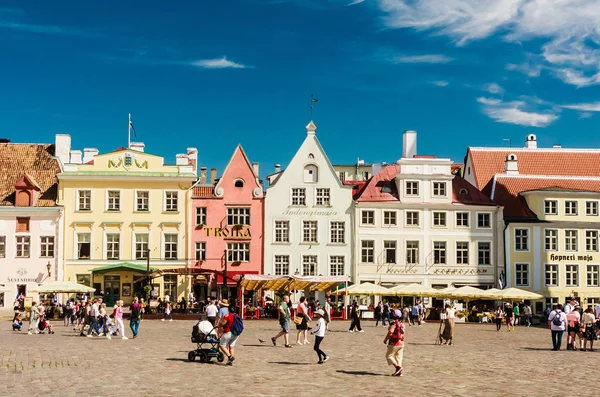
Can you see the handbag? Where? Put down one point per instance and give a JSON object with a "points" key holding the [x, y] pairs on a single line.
{"points": [[298, 319]]}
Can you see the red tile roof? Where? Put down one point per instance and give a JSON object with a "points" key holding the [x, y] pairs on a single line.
{"points": [[463, 193], [508, 188], [487, 162], [203, 192], [357, 187], [35, 161]]}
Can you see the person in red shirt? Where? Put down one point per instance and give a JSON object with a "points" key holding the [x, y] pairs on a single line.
{"points": [[227, 341]]}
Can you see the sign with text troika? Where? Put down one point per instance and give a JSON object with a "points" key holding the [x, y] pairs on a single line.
{"points": [[229, 232]]}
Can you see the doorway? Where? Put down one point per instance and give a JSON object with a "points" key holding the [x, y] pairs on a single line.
{"points": [[112, 289]]}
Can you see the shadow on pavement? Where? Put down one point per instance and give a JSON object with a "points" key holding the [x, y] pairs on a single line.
{"points": [[361, 373], [243, 344], [287, 363], [541, 349]]}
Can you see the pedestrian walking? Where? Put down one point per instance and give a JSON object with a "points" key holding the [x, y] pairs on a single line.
{"points": [[527, 314], [302, 327], [34, 319], [573, 327], [355, 315], [377, 313], [385, 314], [498, 316], [327, 316], [211, 311], [167, 310], [231, 326], [557, 322], [136, 317], [509, 314], [284, 322], [589, 322], [516, 313], [395, 344], [104, 321], [319, 333], [94, 310], [118, 313], [448, 332]]}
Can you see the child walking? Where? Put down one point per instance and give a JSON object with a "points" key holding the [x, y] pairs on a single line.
{"points": [[319, 332], [395, 343], [167, 312]]}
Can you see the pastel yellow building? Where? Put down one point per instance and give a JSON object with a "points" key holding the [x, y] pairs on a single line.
{"points": [[122, 208]]}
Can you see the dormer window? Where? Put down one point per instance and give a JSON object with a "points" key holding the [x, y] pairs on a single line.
{"points": [[311, 174], [311, 156], [463, 191], [26, 191], [238, 183]]}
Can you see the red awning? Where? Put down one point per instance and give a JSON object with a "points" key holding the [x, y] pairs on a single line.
{"points": [[232, 277]]}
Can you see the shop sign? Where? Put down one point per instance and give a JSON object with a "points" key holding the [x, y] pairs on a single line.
{"points": [[309, 212], [460, 271], [21, 273], [229, 232], [402, 271], [572, 257]]}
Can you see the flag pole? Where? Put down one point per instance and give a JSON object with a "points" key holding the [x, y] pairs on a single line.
{"points": [[129, 133]]}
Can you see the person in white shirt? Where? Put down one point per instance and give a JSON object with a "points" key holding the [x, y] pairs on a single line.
{"points": [[557, 322], [319, 333], [211, 311], [569, 307], [167, 298]]}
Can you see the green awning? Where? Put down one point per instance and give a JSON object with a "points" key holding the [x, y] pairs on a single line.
{"points": [[124, 266]]}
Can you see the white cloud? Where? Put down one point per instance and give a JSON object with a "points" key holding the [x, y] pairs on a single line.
{"points": [[528, 68], [440, 83], [353, 2], [218, 63], [569, 30], [584, 107], [516, 112], [494, 88], [429, 58]]}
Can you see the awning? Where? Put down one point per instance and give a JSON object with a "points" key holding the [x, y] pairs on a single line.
{"points": [[233, 277], [288, 283], [124, 266], [62, 286]]}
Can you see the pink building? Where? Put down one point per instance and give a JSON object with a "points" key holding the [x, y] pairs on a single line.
{"points": [[227, 230]]}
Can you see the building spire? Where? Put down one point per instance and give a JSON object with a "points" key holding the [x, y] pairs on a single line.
{"points": [[311, 128]]}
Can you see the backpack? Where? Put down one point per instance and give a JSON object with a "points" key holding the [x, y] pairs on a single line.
{"points": [[398, 335], [237, 327], [195, 333], [557, 319]]}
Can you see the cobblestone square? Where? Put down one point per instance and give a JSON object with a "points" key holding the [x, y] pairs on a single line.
{"points": [[483, 362]]}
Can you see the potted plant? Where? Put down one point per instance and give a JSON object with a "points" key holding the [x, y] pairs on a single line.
{"points": [[460, 317]]}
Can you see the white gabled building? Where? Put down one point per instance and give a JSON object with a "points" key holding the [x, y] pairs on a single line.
{"points": [[308, 216]]}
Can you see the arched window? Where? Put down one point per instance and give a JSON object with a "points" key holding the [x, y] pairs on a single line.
{"points": [[311, 156], [239, 183], [311, 173], [463, 191]]}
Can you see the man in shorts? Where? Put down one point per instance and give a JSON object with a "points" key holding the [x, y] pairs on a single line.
{"points": [[227, 340], [284, 322]]}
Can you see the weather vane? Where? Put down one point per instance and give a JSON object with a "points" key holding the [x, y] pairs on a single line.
{"points": [[313, 100]]}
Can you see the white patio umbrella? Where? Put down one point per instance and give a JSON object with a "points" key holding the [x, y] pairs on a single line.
{"points": [[366, 289], [515, 294], [414, 290], [62, 286]]}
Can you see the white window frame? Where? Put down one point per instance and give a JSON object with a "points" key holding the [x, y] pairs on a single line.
{"points": [[307, 225], [549, 201], [408, 250], [336, 232], [489, 215], [332, 264], [2, 246], [406, 193], [442, 185], [567, 208], [241, 214], [528, 235], [395, 216], [200, 251], [136, 207], [22, 247], [589, 207], [76, 248], [203, 215], [169, 207], [557, 272], [285, 230], [44, 251], [593, 270], [242, 248], [164, 245], [593, 240], [316, 264], [418, 225], [491, 252], [300, 197], [370, 251], [555, 238], [568, 247], [106, 234], [572, 283], [282, 264], [385, 252], [107, 204], [528, 270], [461, 250], [456, 216], [323, 194], [362, 223], [135, 243], [79, 201], [445, 252], [444, 218]]}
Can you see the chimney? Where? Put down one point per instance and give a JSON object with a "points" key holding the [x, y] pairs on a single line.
{"points": [[137, 146], [4, 140], [213, 176], [76, 156], [277, 168], [409, 144], [510, 166], [62, 147], [531, 142], [181, 159], [89, 154], [192, 153], [202, 174], [255, 169]]}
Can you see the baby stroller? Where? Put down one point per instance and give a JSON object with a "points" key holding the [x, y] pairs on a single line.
{"points": [[44, 325], [203, 334]]}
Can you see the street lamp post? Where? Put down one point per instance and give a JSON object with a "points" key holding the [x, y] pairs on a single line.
{"points": [[225, 274]]}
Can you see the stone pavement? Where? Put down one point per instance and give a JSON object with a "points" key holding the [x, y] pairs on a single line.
{"points": [[483, 362]]}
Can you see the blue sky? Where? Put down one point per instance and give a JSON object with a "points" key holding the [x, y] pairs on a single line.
{"points": [[212, 73]]}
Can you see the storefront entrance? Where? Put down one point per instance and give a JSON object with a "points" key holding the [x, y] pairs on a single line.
{"points": [[112, 288]]}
